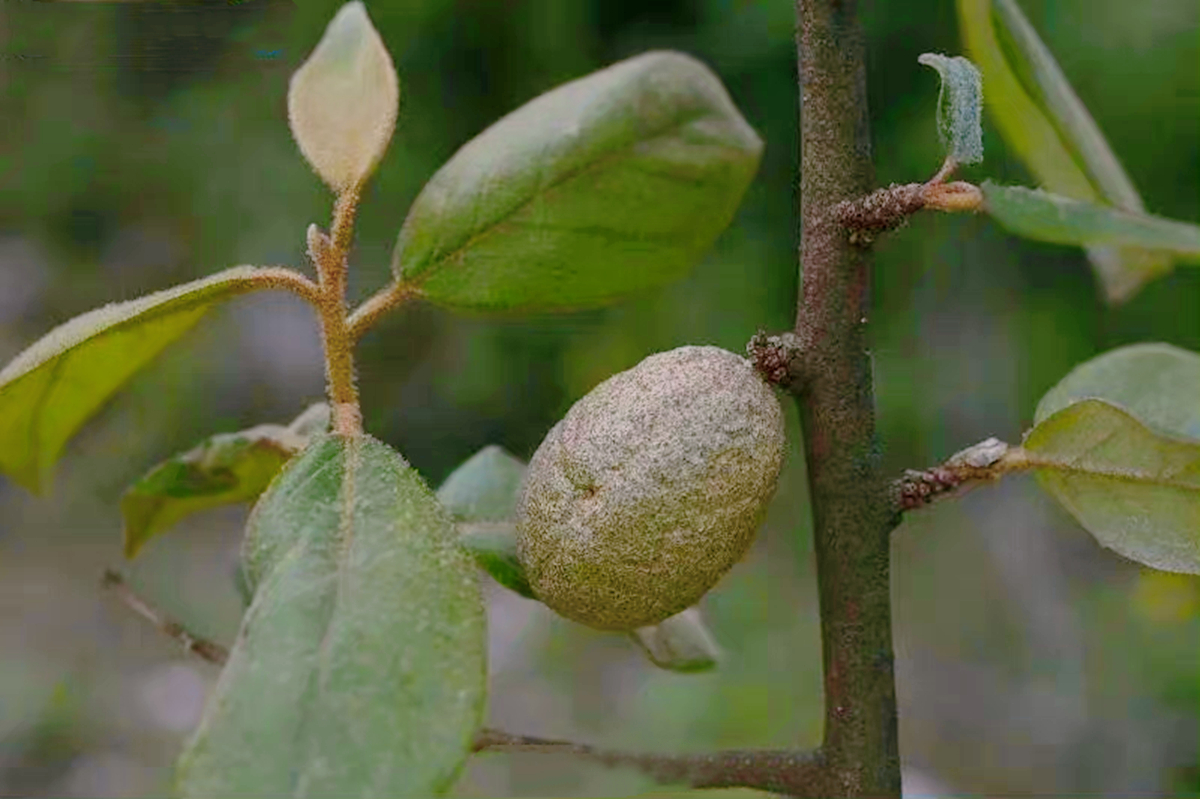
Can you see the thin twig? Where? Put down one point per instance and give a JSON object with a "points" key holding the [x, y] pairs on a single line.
{"points": [[986, 461], [201, 647], [794, 773]]}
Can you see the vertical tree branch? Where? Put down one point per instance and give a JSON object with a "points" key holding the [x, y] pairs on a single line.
{"points": [[852, 516]]}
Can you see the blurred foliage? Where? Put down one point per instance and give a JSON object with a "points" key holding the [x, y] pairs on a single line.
{"points": [[146, 144]]}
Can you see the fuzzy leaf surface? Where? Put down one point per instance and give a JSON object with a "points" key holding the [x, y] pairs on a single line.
{"points": [[1048, 127], [960, 106], [360, 666], [607, 185], [48, 391], [343, 100], [1156, 383], [1134, 488], [1039, 215], [224, 469]]}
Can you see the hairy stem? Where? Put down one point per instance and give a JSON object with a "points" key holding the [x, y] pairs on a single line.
{"points": [[376, 306], [329, 255], [852, 508], [793, 773]]}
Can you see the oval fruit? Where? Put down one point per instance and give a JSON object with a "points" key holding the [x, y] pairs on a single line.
{"points": [[650, 488]]}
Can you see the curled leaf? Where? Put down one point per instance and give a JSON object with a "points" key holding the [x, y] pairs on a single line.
{"points": [[222, 470], [960, 106]]}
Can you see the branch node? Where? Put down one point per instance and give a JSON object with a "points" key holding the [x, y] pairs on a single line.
{"points": [[779, 359], [880, 211], [984, 462]]}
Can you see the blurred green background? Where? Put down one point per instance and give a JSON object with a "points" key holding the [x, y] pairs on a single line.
{"points": [[145, 143]]}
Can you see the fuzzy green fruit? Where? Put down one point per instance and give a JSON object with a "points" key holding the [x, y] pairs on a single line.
{"points": [[650, 488]]}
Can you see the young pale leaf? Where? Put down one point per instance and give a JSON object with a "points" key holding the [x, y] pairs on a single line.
{"points": [[225, 469], [49, 390], [960, 106], [1135, 489], [609, 184], [681, 643], [1157, 383], [481, 494], [359, 669], [1045, 124], [343, 101], [1041, 216]]}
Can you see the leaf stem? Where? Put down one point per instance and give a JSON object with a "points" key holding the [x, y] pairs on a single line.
{"points": [[851, 505], [329, 255], [795, 773], [284, 279], [377, 305]]}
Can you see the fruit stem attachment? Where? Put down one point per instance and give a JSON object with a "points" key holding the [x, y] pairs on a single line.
{"points": [[329, 255]]}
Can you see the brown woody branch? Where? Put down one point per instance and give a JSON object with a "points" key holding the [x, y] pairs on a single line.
{"points": [[794, 773], [851, 501]]}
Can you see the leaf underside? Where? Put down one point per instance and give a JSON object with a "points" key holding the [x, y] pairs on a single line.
{"points": [[1137, 490], [49, 390], [604, 186], [1046, 125], [1038, 215], [960, 106], [360, 666]]}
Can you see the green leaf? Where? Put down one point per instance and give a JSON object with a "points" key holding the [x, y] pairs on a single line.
{"points": [[343, 101], [960, 106], [484, 487], [224, 469], [1047, 127], [481, 494], [494, 547], [49, 390], [1156, 383], [1137, 490], [680, 643], [1035, 214], [359, 669], [607, 185]]}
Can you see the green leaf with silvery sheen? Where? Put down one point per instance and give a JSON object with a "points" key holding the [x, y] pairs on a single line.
{"points": [[343, 101], [224, 469], [960, 107], [1117, 442], [614, 183], [1035, 214], [1046, 125], [360, 668], [48, 391]]}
